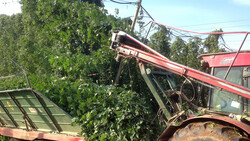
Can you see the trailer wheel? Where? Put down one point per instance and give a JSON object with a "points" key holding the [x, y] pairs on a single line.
{"points": [[208, 131]]}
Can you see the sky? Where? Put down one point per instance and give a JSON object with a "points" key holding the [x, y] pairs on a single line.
{"points": [[194, 15], [10, 7]]}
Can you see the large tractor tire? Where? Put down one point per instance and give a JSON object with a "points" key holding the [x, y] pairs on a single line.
{"points": [[208, 131]]}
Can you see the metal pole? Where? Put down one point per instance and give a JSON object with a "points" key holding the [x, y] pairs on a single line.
{"points": [[147, 33], [24, 72], [119, 72], [235, 56]]}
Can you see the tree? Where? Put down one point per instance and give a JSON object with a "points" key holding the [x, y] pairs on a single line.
{"points": [[160, 41], [97, 2], [179, 51], [211, 44], [62, 32], [193, 46], [11, 29]]}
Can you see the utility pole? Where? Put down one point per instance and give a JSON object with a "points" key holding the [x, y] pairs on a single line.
{"points": [[132, 29]]}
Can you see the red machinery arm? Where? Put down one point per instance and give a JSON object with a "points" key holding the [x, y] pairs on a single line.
{"points": [[128, 46]]}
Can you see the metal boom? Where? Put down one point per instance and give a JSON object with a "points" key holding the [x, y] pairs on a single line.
{"points": [[128, 46]]}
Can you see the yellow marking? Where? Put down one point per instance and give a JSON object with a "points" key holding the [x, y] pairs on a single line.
{"points": [[10, 106]]}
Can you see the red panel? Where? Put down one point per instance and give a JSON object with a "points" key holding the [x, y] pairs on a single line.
{"points": [[225, 59], [31, 135]]}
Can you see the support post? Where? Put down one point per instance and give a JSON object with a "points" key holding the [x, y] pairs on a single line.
{"points": [[136, 14], [132, 29]]}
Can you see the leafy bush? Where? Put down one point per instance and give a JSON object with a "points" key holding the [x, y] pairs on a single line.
{"points": [[104, 112]]}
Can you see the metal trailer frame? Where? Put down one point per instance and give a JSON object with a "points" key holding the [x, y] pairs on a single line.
{"points": [[27, 114], [36, 135]]}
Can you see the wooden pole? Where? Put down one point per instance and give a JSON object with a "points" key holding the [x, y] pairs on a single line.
{"points": [[136, 14], [132, 29]]}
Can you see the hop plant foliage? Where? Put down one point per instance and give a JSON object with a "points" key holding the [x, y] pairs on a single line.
{"points": [[104, 112], [64, 47]]}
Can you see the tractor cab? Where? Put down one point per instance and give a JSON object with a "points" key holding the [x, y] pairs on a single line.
{"points": [[239, 73]]}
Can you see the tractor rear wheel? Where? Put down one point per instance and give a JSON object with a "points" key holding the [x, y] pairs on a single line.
{"points": [[208, 131]]}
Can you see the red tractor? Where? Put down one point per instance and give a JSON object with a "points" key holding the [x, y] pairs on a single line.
{"points": [[227, 114]]}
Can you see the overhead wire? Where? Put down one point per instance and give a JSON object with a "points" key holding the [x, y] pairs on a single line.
{"points": [[147, 12], [225, 27], [176, 32], [224, 44], [206, 33], [216, 23], [127, 2], [181, 34], [119, 2], [173, 32]]}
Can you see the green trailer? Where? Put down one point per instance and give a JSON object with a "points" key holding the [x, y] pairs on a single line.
{"points": [[26, 114]]}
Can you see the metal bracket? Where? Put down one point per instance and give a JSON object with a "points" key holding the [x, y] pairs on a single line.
{"points": [[58, 127], [8, 114], [25, 115], [246, 73]]}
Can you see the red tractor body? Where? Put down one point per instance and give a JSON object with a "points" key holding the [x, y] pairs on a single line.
{"points": [[222, 102], [239, 73]]}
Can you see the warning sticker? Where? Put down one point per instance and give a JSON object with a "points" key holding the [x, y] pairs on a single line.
{"points": [[33, 110], [235, 104], [8, 103]]}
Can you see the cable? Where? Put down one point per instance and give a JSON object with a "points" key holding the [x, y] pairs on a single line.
{"points": [[123, 2], [224, 44], [227, 27], [180, 34], [176, 33], [216, 23], [181, 90], [147, 12], [210, 33]]}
